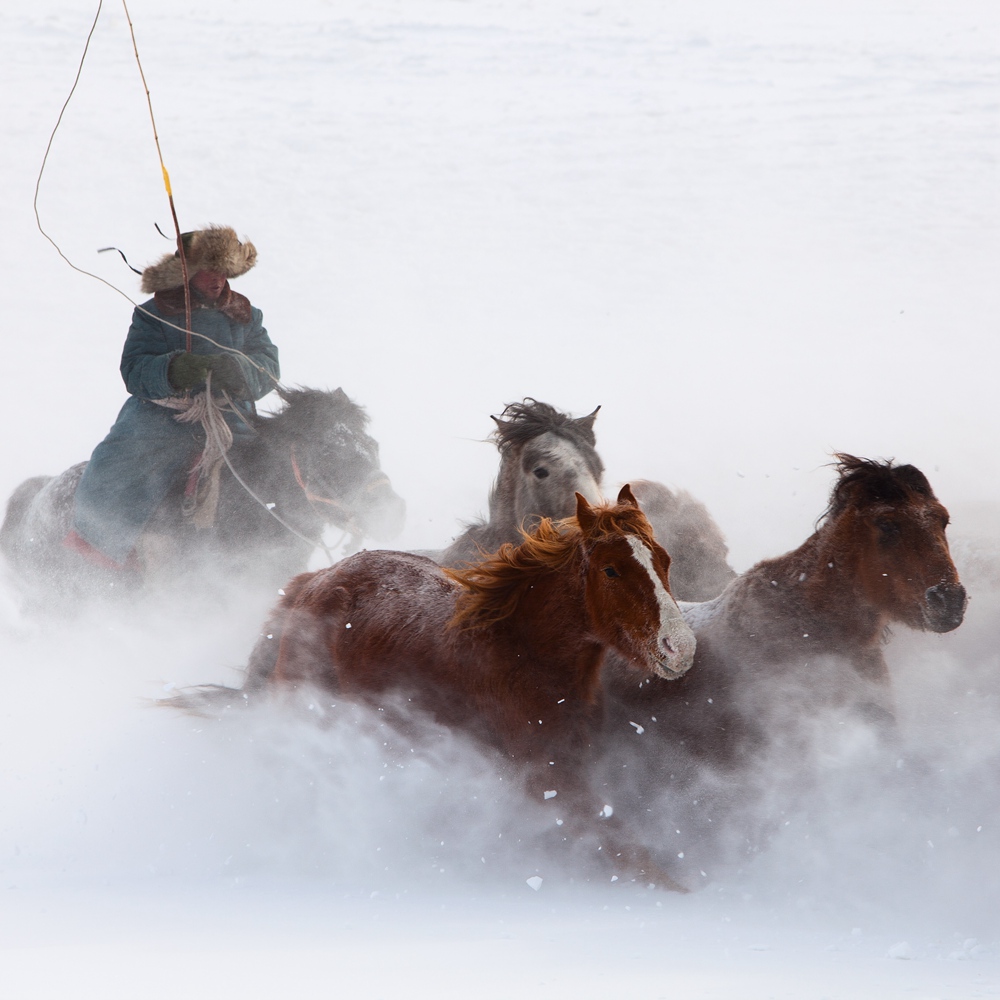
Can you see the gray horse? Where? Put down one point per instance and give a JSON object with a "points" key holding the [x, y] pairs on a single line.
{"points": [[546, 458]]}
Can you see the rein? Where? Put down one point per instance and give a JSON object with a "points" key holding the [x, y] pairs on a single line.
{"points": [[270, 509], [349, 524], [216, 432]]}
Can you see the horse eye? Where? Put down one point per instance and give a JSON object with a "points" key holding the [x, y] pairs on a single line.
{"points": [[541, 472], [889, 530], [612, 572]]}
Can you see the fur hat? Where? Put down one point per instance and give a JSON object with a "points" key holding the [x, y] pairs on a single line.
{"points": [[216, 248]]}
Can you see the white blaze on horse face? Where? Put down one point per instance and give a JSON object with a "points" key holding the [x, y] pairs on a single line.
{"points": [[675, 641]]}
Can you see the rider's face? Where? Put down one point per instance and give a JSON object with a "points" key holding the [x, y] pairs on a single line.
{"points": [[209, 284]]}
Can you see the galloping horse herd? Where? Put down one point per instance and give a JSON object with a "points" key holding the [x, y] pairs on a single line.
{"points": [[599, 650]]}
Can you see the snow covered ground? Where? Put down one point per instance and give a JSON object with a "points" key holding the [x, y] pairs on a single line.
{"points": [[754, 232]]}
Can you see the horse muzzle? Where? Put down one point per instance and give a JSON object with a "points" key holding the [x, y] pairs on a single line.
{"points": [[675, 654], [945, 607]]}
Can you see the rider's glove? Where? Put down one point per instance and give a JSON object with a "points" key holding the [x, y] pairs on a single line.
{"points": [[227, 375], [187, 371]]}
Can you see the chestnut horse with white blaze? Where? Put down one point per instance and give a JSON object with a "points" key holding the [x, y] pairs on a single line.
{"points": [[508, 650]]}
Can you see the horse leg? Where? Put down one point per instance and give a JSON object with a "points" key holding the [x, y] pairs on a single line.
{"points": [[587, 820], [634, 860], [617, 850]]}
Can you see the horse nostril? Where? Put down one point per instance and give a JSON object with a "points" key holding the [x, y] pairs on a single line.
{"points": [[948, 596], [947, 601]]}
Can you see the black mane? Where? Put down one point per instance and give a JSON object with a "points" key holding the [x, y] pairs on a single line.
{"points": [[306, 409], [871, 481], [521, 422]]}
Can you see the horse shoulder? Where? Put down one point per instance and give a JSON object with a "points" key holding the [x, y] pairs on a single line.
{"points": [[533, 726]]}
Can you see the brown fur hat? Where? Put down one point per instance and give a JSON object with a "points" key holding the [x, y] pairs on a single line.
{"points": [[216, 248]]}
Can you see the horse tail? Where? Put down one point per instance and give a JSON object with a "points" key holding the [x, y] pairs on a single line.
{"points": [[17, 506], [290, 647], [206, 700]]}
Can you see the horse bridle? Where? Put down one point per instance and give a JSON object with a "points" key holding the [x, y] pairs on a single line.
{"points": [[346, 521]]}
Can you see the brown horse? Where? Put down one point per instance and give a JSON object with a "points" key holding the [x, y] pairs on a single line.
{"points": [[791, 637], [508, 650]]}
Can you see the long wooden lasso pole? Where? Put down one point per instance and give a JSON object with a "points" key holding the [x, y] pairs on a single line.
{"points": [[90, 274], [166, 184], [180, 250]]}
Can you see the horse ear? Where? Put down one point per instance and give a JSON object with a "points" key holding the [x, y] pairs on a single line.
{"points": [[585, 515], [500, 432], [625, 495], [587, 422]]}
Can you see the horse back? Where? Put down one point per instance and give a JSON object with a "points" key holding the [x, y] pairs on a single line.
{"points": [[17, 507], [39, 514], [372, 622]]}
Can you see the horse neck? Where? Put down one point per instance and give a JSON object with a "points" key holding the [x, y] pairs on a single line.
{"points": [[551, 629], [503, 525], [265, 463], [813, 591]]}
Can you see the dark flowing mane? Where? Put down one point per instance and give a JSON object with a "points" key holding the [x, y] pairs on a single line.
{"points": [[305, 409], [530, 418], [865, 481], [492, 589]]}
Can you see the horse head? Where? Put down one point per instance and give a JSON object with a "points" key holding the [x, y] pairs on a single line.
{"points": [[336, 462], [887, 529], [627, 588], [547, 457]]}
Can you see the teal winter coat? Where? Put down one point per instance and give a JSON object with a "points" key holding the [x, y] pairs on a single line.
{"points": [[147, 451]]}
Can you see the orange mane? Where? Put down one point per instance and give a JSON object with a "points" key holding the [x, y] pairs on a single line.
{"points": [[492, 589]]}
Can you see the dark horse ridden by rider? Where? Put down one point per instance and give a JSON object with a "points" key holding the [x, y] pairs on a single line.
{"points": [[260, 507]]}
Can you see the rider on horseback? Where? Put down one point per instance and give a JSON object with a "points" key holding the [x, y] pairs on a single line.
{"points": [[147, 451]]}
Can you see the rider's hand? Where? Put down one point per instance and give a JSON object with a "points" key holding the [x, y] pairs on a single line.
{"points": [[227, 375], [187, 371]]}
